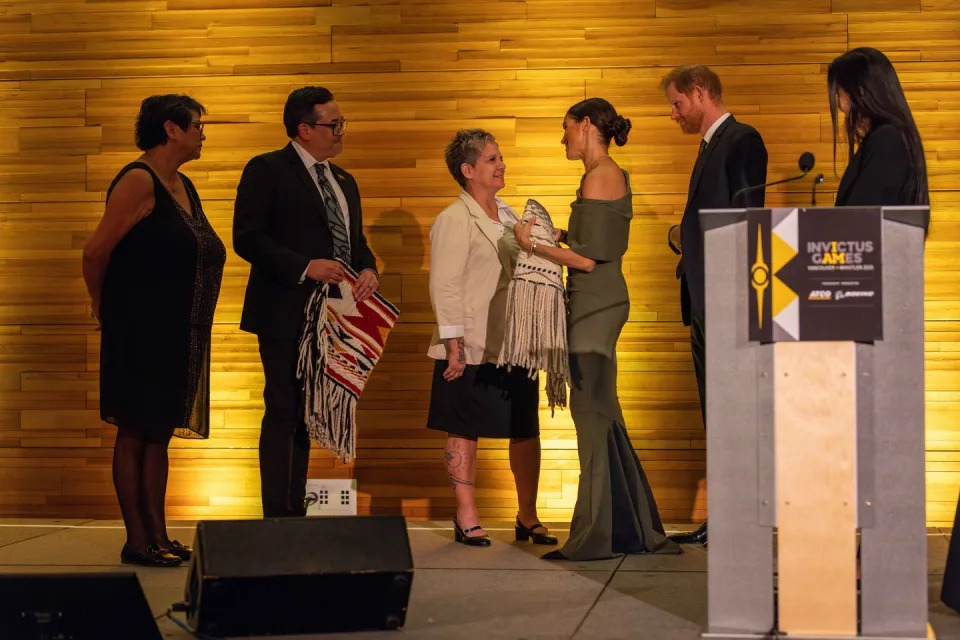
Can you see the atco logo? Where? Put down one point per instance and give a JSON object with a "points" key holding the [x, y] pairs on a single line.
{"points": [[820, 294]]}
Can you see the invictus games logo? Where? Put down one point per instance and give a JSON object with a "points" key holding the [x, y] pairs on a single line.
{"points": [[837, 252], [812, 274]]}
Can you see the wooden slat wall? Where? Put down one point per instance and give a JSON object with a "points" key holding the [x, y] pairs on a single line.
{"points": [[407, 74]]}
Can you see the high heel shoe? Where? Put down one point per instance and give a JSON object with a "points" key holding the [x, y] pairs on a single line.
{"points": [[460, 535], [524, 533]]}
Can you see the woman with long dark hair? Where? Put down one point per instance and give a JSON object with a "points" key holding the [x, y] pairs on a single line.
{"points": [[886, 165]]}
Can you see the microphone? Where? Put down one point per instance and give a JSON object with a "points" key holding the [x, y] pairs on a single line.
{"points": [[805, 163], [813, 193]]}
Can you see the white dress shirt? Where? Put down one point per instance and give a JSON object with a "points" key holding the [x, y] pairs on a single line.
{"points": [[713, 128], [506, 215], [309, 162]]}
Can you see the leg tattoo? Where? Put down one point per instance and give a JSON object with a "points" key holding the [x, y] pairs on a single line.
{"points": [[455, 463]]}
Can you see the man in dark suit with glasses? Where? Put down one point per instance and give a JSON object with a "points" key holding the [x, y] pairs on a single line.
{"points": [[297, 217]]}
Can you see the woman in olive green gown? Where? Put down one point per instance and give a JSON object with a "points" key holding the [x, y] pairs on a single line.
{"points": [[615, 511]]}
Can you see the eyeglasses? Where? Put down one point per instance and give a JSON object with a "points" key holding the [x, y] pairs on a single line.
{"points": [[198, 125], [337, 127]]}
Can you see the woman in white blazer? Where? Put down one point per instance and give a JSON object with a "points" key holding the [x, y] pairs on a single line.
{"points": [[471, 261]]}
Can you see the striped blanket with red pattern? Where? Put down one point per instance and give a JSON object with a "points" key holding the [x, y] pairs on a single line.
{"points": [[340, 343]]}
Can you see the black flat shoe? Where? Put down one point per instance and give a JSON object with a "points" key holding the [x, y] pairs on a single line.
{"points": [[554, 555], [524, 533], [699, 536], [180, 550], [460, 535], [154, 557]]}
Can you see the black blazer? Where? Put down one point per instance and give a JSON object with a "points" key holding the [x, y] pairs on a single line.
{"points": [[279, 226], [735, 158], [879, 172]]}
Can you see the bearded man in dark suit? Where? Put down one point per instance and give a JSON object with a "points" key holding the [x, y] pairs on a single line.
{"points": [[732, 156]]}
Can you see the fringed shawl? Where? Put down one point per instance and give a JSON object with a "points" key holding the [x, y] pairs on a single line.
{"points": [[340, 343], [535, 333]]}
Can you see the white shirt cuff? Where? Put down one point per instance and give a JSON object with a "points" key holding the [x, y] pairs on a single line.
{"points": [[451, 331], [303, 276]]}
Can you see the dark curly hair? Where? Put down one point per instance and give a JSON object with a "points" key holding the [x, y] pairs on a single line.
{"points": [[611, 125], [156, 111]]}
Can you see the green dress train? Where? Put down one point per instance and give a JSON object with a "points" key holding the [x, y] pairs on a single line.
{"points": [[615, 511]]}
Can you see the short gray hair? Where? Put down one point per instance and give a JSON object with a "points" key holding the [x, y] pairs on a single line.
{"points": [[466, 146]]}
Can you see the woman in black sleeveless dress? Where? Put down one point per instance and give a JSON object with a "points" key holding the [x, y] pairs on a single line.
{"points": [[153, 269]]}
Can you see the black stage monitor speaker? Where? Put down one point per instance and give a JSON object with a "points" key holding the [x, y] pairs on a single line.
{"points": [[299, 575], [74, 606]]}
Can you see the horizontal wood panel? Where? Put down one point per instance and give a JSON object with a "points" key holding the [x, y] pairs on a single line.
{"points": [[407, 74]]}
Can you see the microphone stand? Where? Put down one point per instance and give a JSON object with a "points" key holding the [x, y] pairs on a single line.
{"points": [[813, 193], [733, 200]]}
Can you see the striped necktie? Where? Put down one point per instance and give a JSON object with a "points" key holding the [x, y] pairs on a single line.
{"points": [[341, 241]]}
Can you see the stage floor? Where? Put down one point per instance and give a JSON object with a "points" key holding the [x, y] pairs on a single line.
{"points": [[503, 591]]}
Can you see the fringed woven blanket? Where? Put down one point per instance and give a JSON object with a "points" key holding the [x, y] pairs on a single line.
{"points": [[535, 335], [340, 343]]}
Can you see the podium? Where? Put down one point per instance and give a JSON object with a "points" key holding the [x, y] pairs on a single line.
{"points": [[815, 423]]}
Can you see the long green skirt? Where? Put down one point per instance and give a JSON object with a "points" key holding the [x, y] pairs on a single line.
{"points": [[615, 511]]}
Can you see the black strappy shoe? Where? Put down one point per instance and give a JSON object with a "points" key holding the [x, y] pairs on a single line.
{"points": [[526, 533], [460, 535]]}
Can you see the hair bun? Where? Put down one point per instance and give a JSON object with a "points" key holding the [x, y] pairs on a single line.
{"points": [[621, 127]]}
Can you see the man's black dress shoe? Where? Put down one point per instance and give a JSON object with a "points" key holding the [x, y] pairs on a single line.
{"points": [[180, 550], [554, 555], [154, 557], [699, 536]]}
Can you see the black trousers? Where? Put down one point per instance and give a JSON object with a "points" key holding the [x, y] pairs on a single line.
{"points": [[284, 445], [698, 347]]}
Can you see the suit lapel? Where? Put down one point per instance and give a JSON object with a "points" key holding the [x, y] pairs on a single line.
{"points": [[480, 218], [308, 181], [704, 157]]}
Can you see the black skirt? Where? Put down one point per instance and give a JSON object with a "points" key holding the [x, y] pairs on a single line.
{"points": [[487, 401]]}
